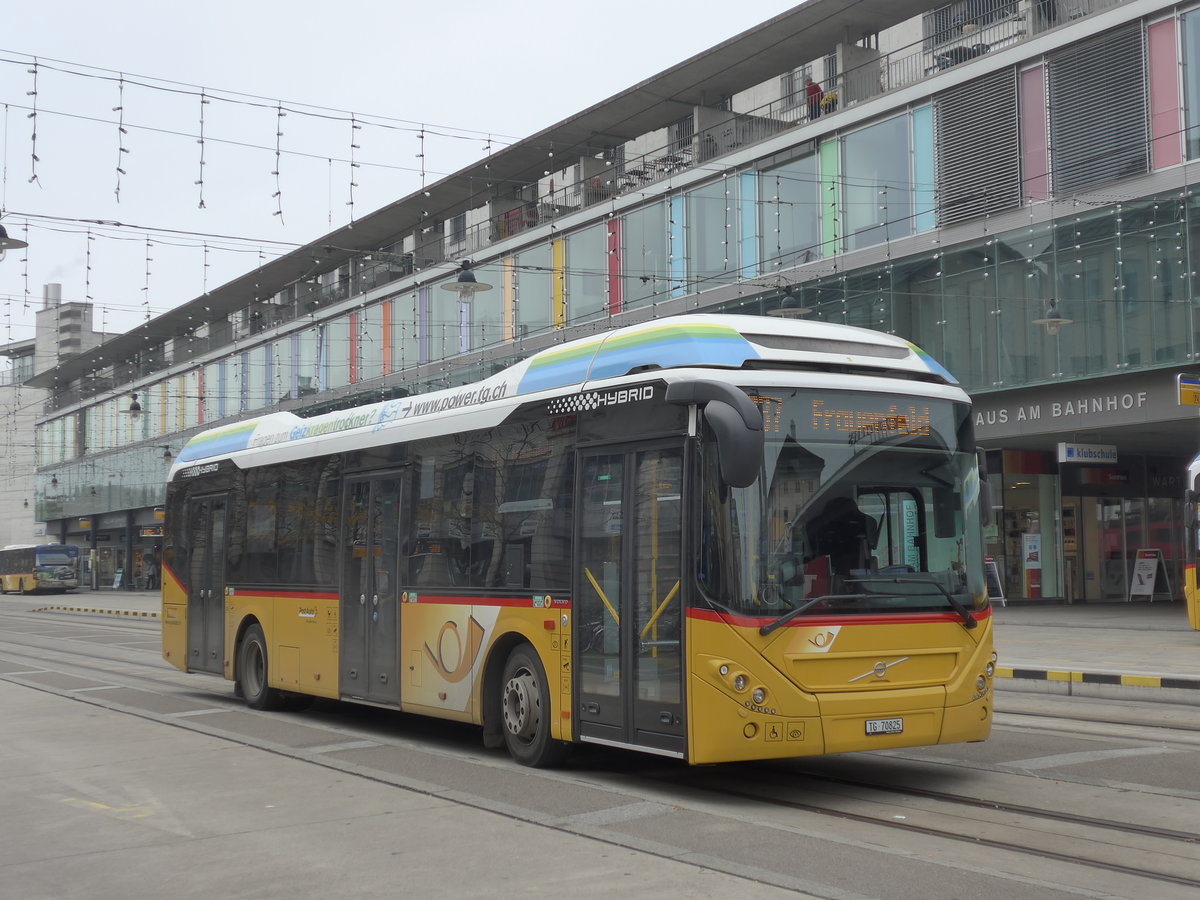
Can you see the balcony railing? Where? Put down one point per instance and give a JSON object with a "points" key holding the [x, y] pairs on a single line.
{"points": [[954, 35]]}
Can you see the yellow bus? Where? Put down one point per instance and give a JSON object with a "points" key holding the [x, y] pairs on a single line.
{"points": [[30, 568], [634, 539], [1191, 540]]}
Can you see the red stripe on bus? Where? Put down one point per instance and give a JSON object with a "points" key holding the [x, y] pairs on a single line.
{"points": [[709, 615], [516, 602], [282, 595]]}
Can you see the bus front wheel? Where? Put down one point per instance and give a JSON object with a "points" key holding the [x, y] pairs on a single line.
{"points": [[252, 672], [525, 711]]}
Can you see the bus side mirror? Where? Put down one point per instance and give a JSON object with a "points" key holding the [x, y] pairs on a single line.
{"points": [[986, 513], [736, 422]]}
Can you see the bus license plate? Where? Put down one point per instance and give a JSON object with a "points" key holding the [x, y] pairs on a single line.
{"points": [[885, 726]]}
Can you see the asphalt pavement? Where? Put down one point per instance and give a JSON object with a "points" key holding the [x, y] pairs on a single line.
{"points": [[1136, 650], [99, 806]]}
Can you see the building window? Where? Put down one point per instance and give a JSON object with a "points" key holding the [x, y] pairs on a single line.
{"points": [[878, 183]]}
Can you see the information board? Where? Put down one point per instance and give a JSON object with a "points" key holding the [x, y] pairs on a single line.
{"points": [[1149, 575], [995, 587]]}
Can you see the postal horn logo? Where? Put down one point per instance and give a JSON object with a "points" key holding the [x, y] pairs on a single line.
{"points": [[454, 658]]}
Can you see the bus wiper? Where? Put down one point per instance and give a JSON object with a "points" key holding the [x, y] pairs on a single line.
{"points": [[792, 613], [968, 619]]}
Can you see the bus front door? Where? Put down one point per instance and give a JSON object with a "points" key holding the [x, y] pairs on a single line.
{"points": [[206, 519], [369, 629], [628, 617]]}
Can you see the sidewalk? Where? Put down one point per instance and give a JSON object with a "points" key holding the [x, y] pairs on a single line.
{"points": [[1100, 650], [1135, 650]]}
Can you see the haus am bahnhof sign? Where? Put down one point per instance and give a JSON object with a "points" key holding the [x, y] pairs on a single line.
{"points": [[1083, 405]]}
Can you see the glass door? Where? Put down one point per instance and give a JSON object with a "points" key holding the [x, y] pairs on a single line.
{"points": [[628, 591]]}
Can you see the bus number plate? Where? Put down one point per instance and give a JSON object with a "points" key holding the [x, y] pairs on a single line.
{"points": [[885, 726]]}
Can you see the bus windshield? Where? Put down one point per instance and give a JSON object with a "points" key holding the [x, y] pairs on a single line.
{"points": [[56, 556], [866, 503]]}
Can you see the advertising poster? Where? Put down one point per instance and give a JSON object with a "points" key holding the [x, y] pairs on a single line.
{"points": [[1031, 563]]}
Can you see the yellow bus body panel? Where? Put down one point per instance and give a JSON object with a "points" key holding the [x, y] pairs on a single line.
{"points": [[174, 621], [301, 634], [445, 647], [823, 681], [1191, 595]]}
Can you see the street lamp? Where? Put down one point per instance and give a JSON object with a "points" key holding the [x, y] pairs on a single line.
{"points": [[1053, 320], [466, 286], [790, 306], [9, 243]]}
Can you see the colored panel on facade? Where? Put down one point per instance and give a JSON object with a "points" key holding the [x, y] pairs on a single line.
{"points": [[831, 238], [181, 403], [558, 282], [385, 310], [1166, 113], [677, 246], [1035, 155], [243, 381], [222, 389], [294, 377], [508, 294], [268, 375], [749, 259], [614, 266], [924, 170], [200, 399], [423, 324], [665, 345]]}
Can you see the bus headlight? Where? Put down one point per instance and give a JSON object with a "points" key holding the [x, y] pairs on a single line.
{"points": [[990, 669], [739, 683], [759, 695], [981, 684]]}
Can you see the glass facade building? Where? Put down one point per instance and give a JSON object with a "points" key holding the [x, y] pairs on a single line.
{"points": [[1038, 237]]}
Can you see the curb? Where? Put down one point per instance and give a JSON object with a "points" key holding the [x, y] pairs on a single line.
{"points": [[106, 612], [1152, 681]]}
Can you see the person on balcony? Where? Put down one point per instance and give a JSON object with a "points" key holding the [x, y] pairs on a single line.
{"points": [[813, 94]]}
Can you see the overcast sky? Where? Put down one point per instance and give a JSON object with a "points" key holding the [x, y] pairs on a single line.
{"points": [[444, 79]]}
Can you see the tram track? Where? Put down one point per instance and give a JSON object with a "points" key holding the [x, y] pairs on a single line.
{"points": [[1174, 849], [1126, 849]]}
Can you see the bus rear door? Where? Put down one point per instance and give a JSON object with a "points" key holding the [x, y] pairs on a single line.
{"points": [[206, 517], [628, 618], [370, 622]]}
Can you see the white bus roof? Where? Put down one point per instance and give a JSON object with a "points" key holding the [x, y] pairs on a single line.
{"points": [[708, 341]]}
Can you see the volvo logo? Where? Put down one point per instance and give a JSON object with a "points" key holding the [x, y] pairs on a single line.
{"points": [[879, 670]]}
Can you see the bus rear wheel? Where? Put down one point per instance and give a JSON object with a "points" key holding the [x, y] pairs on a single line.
{"points": [[252, 672], [525, 711]]}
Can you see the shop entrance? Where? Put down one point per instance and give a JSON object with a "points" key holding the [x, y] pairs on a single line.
{"points": [[1101, 537]]}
